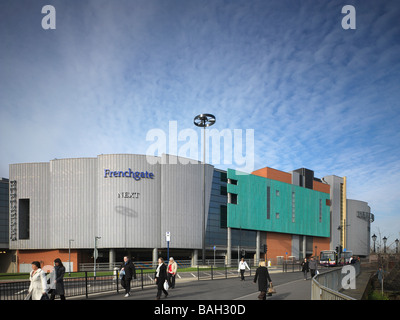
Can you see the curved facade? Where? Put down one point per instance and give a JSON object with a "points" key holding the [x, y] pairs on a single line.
{"points": [[359, 218], [127, 200]]}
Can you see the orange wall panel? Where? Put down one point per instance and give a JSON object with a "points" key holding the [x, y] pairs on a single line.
{"points": [[278, 244], [273, 174], [322, 187], [46, 257], [321, 244]]}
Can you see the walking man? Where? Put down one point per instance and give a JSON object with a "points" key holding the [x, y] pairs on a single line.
{"points": [[313, 267], [130, 271], [305, 268], [242, 268]]}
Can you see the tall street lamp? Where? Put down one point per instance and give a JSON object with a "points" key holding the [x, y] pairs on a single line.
{"points": [[204, 120], [384, 244], [374, 239], [397, 245], [69, 256], [95, 254]]}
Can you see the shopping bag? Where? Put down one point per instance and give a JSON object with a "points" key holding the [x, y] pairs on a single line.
{"points": [[45, 297], [271, 289], [166, 286]]}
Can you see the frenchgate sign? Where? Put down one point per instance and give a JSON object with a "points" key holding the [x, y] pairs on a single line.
{"points": [[137, 175]]}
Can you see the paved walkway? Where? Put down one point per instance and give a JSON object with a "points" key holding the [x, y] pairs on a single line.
{"points": [[289, 286]]}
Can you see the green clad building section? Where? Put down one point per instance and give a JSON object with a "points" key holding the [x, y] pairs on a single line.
{"points": [[258, 203]]}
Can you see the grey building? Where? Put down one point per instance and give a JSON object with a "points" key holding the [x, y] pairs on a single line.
{"points": [[4, 221], [359, 218], [128, 201]]}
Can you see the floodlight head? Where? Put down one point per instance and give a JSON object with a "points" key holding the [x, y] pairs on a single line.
{"points": [[204, 120]]}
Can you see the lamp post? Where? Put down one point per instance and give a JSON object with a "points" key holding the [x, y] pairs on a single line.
{"points": [[95, 254], [384, 244], [374, 239], [397, 245], [69, 256], [203, 121]]}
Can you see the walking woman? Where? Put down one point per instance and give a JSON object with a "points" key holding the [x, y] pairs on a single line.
{"points": [[57, 280], [242, 268], [38, 288], [160, 278], [263, 277], [305, 268]]}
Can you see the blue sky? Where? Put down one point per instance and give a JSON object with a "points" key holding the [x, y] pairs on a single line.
{"points": [[316, 95]]}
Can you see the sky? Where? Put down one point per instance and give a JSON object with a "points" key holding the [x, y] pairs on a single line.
{"points": [[315, 95]]}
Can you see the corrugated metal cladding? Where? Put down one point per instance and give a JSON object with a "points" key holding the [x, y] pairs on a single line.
{"points": [[79, 199]]}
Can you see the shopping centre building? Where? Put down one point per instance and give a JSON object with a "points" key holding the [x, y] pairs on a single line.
{"points": [[124, 204]]}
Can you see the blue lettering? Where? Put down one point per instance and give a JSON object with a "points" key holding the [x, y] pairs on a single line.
{"points": [[137, 175]]}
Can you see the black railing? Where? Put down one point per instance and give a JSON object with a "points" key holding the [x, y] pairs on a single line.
{"points": [[85, 283]]}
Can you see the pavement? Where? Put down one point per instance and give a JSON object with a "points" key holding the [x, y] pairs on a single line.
{"points": [[289, 286]]}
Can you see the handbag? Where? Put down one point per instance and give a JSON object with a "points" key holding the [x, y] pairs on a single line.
{"points": [[166, 286], [271, 289], [45, 297]]}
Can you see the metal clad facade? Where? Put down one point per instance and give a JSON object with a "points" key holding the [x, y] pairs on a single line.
{"points": [[293, 209], [182, 202], [128, 209], [72, 202], [33, 183], [78, 199]]}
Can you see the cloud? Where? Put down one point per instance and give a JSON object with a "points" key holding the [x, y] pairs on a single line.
{"points": [[317, 96]]}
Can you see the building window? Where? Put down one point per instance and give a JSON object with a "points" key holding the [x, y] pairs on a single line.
{"points": [[23, 219], [277, 193], [320, 210], [277, 215], [232, 198], [223, 217], [293, 206], [232, 181], [224, 177], [268, 203], [223, 191]]}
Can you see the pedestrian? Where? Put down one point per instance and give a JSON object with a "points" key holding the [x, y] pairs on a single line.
{"points": [[380, 274], [38, 287], [242, 268], [305, 268], [263, 277], [313, 267], [172, 269], [128, 271], [57, 280], [160, 277]]}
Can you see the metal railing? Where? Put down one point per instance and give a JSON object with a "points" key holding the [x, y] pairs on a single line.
{"points": [[85, 283], [326, 286]]}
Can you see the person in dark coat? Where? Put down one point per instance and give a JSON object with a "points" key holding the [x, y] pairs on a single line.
{"points": [[160, 277], [305, 268], [313, 267], [59, 271], [130, 272], [263, 277]]}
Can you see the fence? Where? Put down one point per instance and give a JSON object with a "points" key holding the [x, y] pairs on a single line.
{"points": [[286, 265], [326, 286], [85, 283]]}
